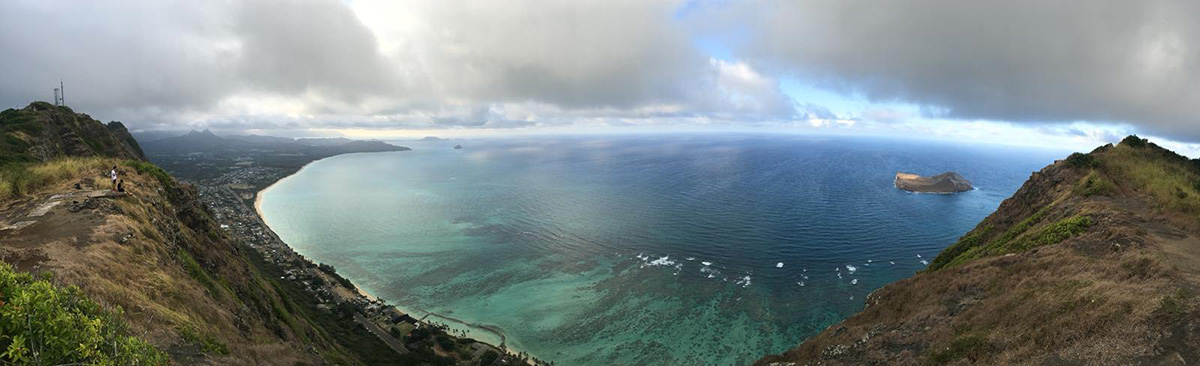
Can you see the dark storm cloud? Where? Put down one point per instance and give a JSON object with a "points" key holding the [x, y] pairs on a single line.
{"points": [[1131, 62]]}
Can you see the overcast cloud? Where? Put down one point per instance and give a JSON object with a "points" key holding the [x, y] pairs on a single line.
{"points": [[367, 64], [1013, 60]]}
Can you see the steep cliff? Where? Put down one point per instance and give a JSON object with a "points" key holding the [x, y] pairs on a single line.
{"points": [[1094, 260], [184, 285]]}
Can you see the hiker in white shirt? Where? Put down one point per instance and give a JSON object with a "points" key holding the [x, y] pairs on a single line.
{"points": [[114, 178]]}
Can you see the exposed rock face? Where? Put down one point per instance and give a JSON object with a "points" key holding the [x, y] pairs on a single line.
{"points": [[1094, 260], [948, 182]]}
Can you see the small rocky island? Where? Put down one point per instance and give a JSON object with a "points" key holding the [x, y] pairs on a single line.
{"points": [[948, 182], [458, 147]]}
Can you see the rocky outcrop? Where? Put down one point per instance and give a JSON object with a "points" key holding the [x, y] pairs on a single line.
{"points": [[42, 132], [948, 182]]}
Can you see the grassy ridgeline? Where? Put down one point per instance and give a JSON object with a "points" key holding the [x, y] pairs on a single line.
{"points": [[22, 179]]}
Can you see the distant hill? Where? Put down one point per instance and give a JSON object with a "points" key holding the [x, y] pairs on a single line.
{"points": [[432, 138], [1094, 260], [208, 142]]}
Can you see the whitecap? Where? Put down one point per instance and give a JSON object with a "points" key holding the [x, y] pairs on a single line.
{"points": [[924, 262], [839, 275], [744, 281], [779, 265], [854, 281], [706, 263], [918, 256], [801, 283], [664, 261], [891, 262], [851, 268], [690, 258]]}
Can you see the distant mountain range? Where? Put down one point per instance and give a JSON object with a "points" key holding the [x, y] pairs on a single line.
{"points": [[208, 142]]}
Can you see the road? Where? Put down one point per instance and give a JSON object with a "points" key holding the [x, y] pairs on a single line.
{"points": [[379, 332]]}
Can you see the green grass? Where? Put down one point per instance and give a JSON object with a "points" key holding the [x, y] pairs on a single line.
{"points": [[199, 274], [43, 324], [1175, 306], [1171, 180], [207, 342], [22, 179], [968, 242], [1094, 185], [159, 174], [18, 128], [1016, 239], [974, 348]]}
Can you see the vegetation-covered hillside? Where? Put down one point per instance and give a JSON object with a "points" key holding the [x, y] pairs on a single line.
{"points": [[1095, 260], [146, 264]]}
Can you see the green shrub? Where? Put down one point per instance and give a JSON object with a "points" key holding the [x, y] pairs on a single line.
{"points": [[43, 324], [146, 168], [207, 342], [1080, 160], [970, 241], [1094, 185], [1134, 141], [1053, 233]]}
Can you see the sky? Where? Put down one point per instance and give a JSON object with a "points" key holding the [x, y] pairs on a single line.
{"points": [[1067, 74]]}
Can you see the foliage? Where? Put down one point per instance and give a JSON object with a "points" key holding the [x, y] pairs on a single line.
{"points": [[973, 348], [332, 272], [1134, 141], [1051, 234], [42, 324], [18, 128], [967, 242], [206, 341], [20, 179], [1094, 184], [198, 273], [1080, 160], [1014, 240], [1175, 305], [147, 168], [488, 358], [1172, 182]]}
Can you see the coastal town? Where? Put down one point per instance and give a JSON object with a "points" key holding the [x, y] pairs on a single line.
{"points": [[230, 197]]}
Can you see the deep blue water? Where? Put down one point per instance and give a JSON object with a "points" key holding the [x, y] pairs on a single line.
{"points": [[592, 250]]}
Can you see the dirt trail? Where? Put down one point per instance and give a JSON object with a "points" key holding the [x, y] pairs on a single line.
{"points": [[31, 229]]}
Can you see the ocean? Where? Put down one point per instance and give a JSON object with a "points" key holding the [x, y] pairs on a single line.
{"points": [[698, 249]]}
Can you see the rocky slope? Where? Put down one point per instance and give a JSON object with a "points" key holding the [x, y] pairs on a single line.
{"points": [[184, 284], [1094, 260]]}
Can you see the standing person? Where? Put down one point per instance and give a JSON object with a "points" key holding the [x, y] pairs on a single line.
{"points": [[113, 174]]}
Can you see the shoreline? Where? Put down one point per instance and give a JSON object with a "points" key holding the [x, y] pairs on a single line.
{"points": [[258, 197]]}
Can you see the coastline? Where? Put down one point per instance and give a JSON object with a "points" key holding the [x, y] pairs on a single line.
{"points": [[258, 197]]}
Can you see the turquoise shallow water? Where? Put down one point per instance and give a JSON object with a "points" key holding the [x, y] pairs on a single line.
{"points": [[662, 250]]}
